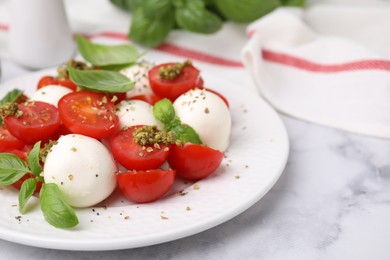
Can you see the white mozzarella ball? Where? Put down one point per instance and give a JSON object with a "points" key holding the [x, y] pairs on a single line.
{"points": [[50, 94], [139, 74], [135, 112], [83, 169], [208, 115]]}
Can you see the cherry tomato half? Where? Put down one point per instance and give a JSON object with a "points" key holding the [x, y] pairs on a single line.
{"points": [[88, 113], [49, 80], [38, 121], [193, 161], [8, 141], [151, 99], [134, 156], [189, 78], [145, 186]]}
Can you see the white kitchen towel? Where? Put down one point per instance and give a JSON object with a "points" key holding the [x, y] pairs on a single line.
{"points": [[320, 76]]}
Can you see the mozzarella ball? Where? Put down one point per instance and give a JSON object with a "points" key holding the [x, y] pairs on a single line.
{"points": [[139, 74], [135, 112], [207, 114], [83, 169], [50, 94]]}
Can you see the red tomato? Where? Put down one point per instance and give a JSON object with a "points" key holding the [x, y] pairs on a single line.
{"points": [[8, 141], [49, 80], [151, 99], [19, 183], [38, 121], [193, 161], [88, 113], [219, 95], [21, 153], [134, 156], [145, 186], [119, 97], [189, 78]]}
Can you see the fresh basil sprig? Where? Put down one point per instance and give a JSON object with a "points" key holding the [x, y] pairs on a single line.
{"points": [[107, 56], [194, 17], [33, 160], [26, 191], [164, 112], [150, 31], [55, 209], [12, 168], [100, 80]]}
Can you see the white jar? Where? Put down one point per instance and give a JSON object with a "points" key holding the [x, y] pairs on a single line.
{"points": [[39, 33]]}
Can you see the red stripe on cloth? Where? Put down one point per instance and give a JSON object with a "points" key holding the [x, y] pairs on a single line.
{"points": [[303, 64], [4, 27], [197, 55]]}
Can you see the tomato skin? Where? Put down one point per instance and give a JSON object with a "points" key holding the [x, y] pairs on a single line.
{"points": [[134, 156], [120, 96], [83, 112], [193, 161], [8, 141], [49, 80], [189, 78], [38, 122], [145, 186], [151, 99]]}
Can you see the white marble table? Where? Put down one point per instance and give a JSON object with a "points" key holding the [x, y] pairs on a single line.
{"points": [[332, 202]]}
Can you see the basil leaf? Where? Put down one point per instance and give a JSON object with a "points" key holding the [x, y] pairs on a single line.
{"points": [[196, 18], [149, 31], [56, 211], [100, 80], [163, 111], [26, 191], [11, 96], [156, 9], [186, 134], [33, 159], [106, 55], [298, 3], [12, 168], [245, 11], [128, 5]]}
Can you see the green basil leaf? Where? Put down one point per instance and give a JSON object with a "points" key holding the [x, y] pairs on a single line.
{"points": [[245, 11], [33, 159], [298, 3], [196, 18], [12, 168], [55, 209], [148, 31], [186, 134], [105, 55], [26, 191], [11, 96], [164, 112], [128, 5], [100, 80], [156, 9]]}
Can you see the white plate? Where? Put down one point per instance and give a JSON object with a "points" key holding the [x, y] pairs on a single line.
{"points": [[255, 160]]}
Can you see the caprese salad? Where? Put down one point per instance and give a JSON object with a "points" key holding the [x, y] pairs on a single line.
{"points": [[112, 121]]}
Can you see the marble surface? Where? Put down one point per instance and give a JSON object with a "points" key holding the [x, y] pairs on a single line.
{"points": [[331, 202]]}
